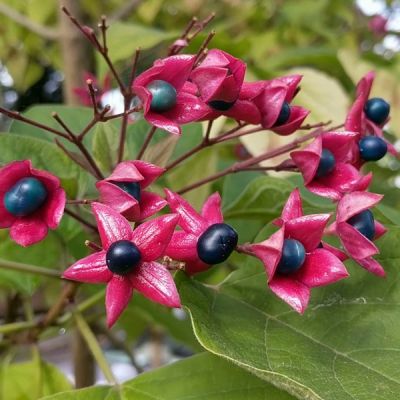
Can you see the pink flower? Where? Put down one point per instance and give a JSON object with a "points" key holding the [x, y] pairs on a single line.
{"points": [[101, 89], [128, 261], [124, 190], [31, 202], [357, 121], [377, 24], [273, 102], [195, 227], [325, 168], [314, 264], [165, 104], [219, 79], [358, 246]]}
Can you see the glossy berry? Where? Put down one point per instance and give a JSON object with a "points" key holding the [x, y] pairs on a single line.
{"points": [[372, 148], [221, 105], [293, 256], [25, 197], [377, 110], [326, 163], [163, 96], [364, 223], [284, 114], [122, 256], [216, 243], [132, 188]]}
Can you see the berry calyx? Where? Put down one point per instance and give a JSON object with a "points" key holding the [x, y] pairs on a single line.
{"points": [[122, 257], [163, 95], [132, 188], [364, 223], [221, 105], [284, 114], [377, 110], [25, 197], [293, 256], [216, 243], [372, 148], [326, 163]]}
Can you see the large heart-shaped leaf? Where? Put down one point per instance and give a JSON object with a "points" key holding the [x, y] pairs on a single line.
{"points": [[346, 345], [202, 377]]}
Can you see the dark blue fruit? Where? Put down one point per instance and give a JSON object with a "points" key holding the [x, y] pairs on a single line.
{"points": [[326, 163], [221, 105], [25, 197], [132, 188], [364, 223], [377, 110], [284, 114], [122, 256], [216, 243], [293, 256], [163, 95], [372, 148]]}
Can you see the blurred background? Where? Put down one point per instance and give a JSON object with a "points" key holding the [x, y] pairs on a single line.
{"points": [[44, 59]]}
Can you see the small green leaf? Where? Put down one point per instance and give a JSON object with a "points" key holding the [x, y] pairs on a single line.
{"points": [[197, 167], [201, 377], [28, 381], [132, 36], [27, 283], [76, 118], [262, 198], [105, 146]]}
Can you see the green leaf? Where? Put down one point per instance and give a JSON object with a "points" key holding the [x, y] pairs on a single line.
{"points": [[323, 95], [23, 282], [197, 167], [132, 36], [262, 198], [148, 312], [105, 146], [44, 155], [76, 118], [345, 346], [30, 381], [202, 377]]}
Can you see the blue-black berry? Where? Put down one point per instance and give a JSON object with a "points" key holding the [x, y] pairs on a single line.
{"points": [[221, 105], [372, 148], [25, 197], [284, 114], [216, 243], [377, 110], [293, 256], [364, 223], [163, 95], [122, 257], [132, 188], [326, 163]]}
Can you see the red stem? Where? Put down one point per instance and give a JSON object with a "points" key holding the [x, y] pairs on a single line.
{"points": [[17, 116], [243, 165], [124, 126], [206, 142], [149, 136]]}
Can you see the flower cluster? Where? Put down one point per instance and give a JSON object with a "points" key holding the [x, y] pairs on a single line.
{"points": [[176, 91], [185, 88]]}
